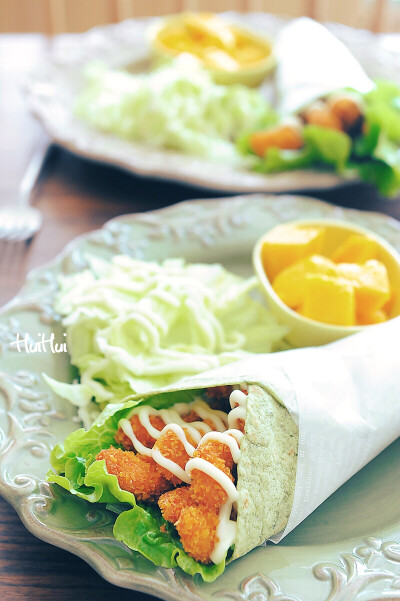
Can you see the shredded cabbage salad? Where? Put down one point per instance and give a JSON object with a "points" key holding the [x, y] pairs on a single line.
{"points": [[177, 106], [134, 326]]}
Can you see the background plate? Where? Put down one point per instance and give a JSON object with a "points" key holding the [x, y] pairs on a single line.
{"points": [[347, 550], [52, 89]]}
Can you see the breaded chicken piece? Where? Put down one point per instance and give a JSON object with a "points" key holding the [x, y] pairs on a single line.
{"points": [[205, 489], [191, 417], [240, 424], [172, 448], [214, 449], [219, 392], [140, 432], [194, 417], [171, 503], [136, 473], [346, 109], [197, 530], [321, 115], [285, 136]]}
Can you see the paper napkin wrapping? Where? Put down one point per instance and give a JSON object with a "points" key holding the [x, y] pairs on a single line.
{"points": [[344, 397], [312, 63]]}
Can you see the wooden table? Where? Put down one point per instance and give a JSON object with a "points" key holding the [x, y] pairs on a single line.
{"points": [[75, 196]]}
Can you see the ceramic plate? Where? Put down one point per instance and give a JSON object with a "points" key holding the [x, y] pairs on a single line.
{"points": [[52, 90], [347, 550]]}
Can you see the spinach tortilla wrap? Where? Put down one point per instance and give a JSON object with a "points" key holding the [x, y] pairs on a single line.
{"points": [[203, 472], [199, 476]]}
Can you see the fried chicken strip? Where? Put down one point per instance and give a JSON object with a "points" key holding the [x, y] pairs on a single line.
{"points": [[197, 529], [284, 136], [140, 432], [173, 449], [137, 474], [205, 489], [174, 501]]}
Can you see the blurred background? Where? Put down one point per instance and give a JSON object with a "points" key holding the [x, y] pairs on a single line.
{"points": [[59, 16]]}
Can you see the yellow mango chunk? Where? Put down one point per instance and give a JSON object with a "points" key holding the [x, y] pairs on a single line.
{"points": [[329, 300], [371, 284], [371, 318], [208, 25], [290, 283], [355, 249], [287, 244]]}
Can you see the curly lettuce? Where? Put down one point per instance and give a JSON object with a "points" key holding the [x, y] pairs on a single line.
{"points": [[323, 147], [141, 527]]}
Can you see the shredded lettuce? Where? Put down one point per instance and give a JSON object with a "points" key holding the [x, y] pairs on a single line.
{"points": [[133, 326], [177, 106], [321, 147], [140, 527]]}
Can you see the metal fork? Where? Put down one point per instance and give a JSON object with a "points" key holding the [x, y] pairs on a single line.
{"points": [[19, 221]]}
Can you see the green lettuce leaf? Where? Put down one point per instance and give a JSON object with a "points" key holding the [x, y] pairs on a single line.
{"points": [[144, 530], [382, 107], [321, 147], [141, 528]]}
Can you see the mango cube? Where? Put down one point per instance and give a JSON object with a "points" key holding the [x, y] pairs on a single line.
{"points": [[355, 249], [329, 300], [371, 284], [371, 318], [290, 283], [287, 244]]}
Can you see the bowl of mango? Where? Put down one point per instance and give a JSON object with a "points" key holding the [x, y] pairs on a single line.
{"points": [[326, 279], [231, 54]]}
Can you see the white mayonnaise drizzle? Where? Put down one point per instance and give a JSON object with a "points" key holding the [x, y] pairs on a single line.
{"points": [[230, 438], [226, 529], [200, 433], [238, 398], [126, 427], [170, 465], [172, 417]]}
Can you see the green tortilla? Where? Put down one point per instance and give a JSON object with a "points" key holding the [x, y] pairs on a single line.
{"points": [[265, 483], [266, 471]]}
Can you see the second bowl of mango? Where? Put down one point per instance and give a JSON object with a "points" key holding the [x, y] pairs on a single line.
{"points": [[326, 279], [232, 55]]}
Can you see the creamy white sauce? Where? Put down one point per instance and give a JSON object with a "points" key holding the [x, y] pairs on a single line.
{"points": [[218, 418], [238, 402], [237, 397], [126, 427], [226, 533], [180, 433], [225, 438], [197, 463], [170, 465], [172, 417], [235, 415], [200, 433], [226, 529]]}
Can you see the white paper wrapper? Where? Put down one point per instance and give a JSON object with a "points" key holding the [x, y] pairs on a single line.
{"points": [[345, 398], [313, 63]]}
